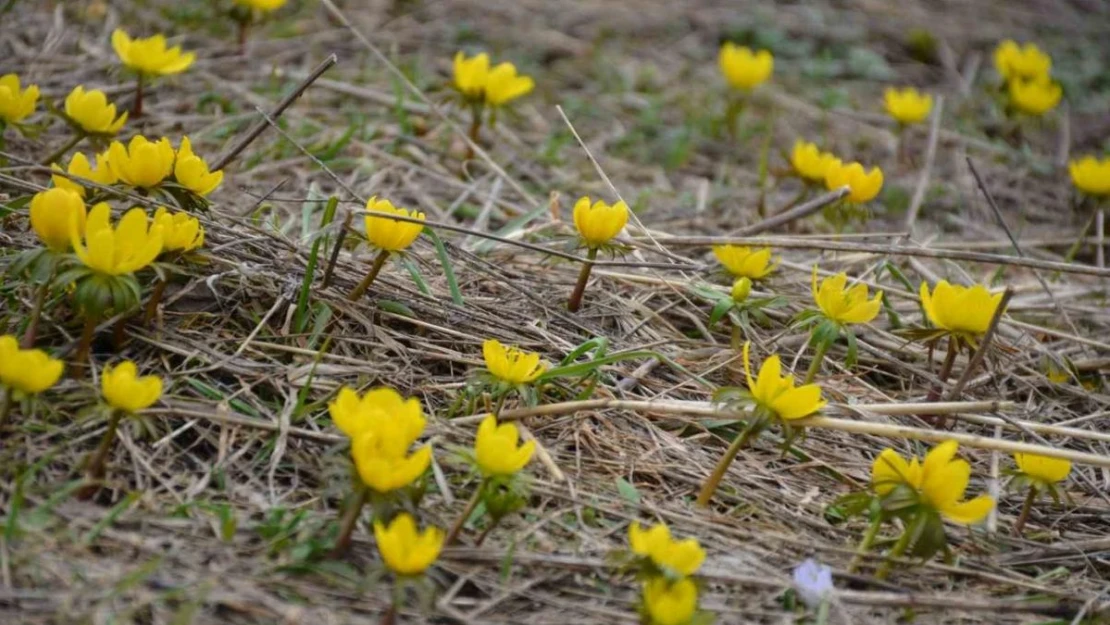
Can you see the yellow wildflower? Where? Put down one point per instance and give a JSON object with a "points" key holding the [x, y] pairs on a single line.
{"points": [[92, 113], [1012, 61], [669, 602], [959, 309], [53, 212], [744, 69], [27, 371], [150, 56], [1042, 468], [777, 394], [405, 550], [390, 234], [511, 364], [124, 390], [863, 185], [503, 85], [355, 415], [496, 448], [80, 166], [1091, 175], [16, 104], [680, 557], [382, 459], [598, 223], [907, 106], [745, 262], [809, 162], [1035, 97], [191, 171], [843, 305], [265, 6], [939, 482], [131, 246], [470, 75], [741, 288], [141, 163], [181, 232]]}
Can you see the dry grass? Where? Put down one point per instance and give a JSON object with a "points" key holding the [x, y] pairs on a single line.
{"points": [[220, 500]]}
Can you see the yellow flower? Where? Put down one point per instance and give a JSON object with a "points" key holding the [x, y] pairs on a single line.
{"points": [[745, 262], [264, 6], [844, 305], [128, 248], [91, 112], [180, 231], [1013, 61], [52, 212], [503, 85], [382, 459], [1035, 97], [599, 222], [390, 234], [470, 75], [777, 394], [149, 56], [141, 163], [670, 603], [1091, 175], [809, 162], [355, 415], [1042, 468], [79, 166], [744, 69], [958, 308], [681, 557], [16, 103], [939, 481], [741, 288], [124, 390], [496, 448], [191, 171], [28, 371], [907, 106], [510, 363], [405, 550], [863, 185]]}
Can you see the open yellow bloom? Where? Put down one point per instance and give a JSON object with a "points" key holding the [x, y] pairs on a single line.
{"points": [[128, 248], [958, 308], [670, 603], [191, 171], [390, 234], [1042, 468], [744, 69], [405, 550], [150, 56], [141, 163], [16, 103], [745, 262], [382, 459], [1091, 175], [864, 185], [91, 112], [741, 288], [841, 304], [53, 212], [355, 415], [181, 232], [777, 394], [265, 6], [1035, 97], [682, 557], [1012, 61], [511, 364], [504, 85], [497, 451], [809, 162], [598, 223], [470, 75], [27, 371], [80, 166], [907, 106], [124, 390], [940, 482]]}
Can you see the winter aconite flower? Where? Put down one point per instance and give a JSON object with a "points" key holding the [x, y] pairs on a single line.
{"points": [[390, 234], [1035, 97], [864, 185], [123, 250], [16, 103], [265, 6], [141, 163], [497, 451], [809, 162], [1014, 62], [371, 412], [745, 262], [406, 550], [150, 56], [777, 394], [511, 364], [381, 451], [907, 106], [504, 84], [744, 69], [1091, 175], [470, 75], [1042, 469], [53, 212], [667, 602], [192, 172], [959, 309], [80, 166], [181, 232], [27, 371], [841, 304], [125, 390], [91, 112], [677, 557], [598, 222], [938, 483]]}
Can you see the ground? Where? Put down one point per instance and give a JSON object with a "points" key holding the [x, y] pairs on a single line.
{"points": [[222, 500]]}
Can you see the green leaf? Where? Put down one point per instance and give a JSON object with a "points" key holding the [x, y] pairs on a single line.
{"points": [[445, 262], [396, 308], [719, 309], [628, 491]]}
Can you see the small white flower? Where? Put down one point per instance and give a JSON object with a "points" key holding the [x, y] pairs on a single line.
{"points": [[813, 582]]}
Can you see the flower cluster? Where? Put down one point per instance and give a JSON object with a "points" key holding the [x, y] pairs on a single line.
{"points": [[1027, 73], [818, 168], [482, 87], [669, 595]]}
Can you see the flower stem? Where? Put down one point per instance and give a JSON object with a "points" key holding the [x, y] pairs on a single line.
{"points": [[865, 544], [714, 480], [6, 407], [350, 519], [244, 28], [137, 106], [36, 313], [735, 338], [475, 130], [1019, 525], [499, 405], [903, 543], [97, 463], [457, 526], [84, 346], [575, 300], [152, 303], [375, 269], [818, 357], [486, 532], [56, 155]]}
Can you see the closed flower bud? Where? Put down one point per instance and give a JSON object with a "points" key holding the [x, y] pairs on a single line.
{"points": [[497, 451], [53, 213], [741, 288]]}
